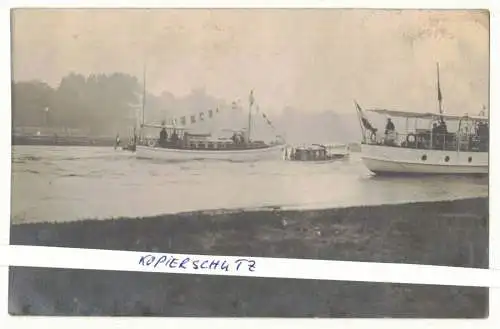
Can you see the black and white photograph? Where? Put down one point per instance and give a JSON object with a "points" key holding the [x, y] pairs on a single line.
{"points": [[317, 134]]}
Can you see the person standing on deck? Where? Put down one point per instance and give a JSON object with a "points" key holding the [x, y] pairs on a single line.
{"points": [[163, 137], [435, 134], [442, 131], [174, 138], [390, 130], [389, 127]]}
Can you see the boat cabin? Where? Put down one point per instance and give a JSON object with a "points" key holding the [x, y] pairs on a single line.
{"points": [[177, 137], [429, 131], [308, 154], [315, 152]]}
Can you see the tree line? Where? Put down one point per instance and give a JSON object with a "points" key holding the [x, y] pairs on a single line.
{"points": [[106, 104], [98, 103]]}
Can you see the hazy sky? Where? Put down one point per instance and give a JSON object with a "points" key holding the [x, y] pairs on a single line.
{"points": [[313, 60]]}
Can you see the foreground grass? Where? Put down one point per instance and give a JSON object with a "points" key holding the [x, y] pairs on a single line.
{"points": [[453, 233]]}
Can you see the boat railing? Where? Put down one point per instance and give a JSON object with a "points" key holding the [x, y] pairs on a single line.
{"points": [[464, 142]]}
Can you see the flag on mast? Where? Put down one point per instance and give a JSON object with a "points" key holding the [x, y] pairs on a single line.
{"points": [[366, 123], [440, 95]]}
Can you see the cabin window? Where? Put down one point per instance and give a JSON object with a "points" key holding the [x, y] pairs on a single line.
{"points": [[470, 159], [210, 145], [424, 157], [192, 145], [446, 158], [201, 146]]}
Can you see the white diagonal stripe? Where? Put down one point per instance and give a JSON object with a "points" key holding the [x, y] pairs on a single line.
{"points": [[56, 257]]}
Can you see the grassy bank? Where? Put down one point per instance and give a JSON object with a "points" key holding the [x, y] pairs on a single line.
{"points": [[453, 233]]}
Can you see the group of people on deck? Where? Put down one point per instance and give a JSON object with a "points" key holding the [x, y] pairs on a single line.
{"points": [[439, 137], [482, 136], [165, 140], [238, 138], [439, 129], [439, 133], [174, 138]]}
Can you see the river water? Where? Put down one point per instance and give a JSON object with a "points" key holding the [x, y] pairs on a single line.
{"points": [[70, 183]]}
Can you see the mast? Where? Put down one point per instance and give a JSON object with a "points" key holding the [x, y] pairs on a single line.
{"points": [[250, 101], [143, 92], [440, 96]]}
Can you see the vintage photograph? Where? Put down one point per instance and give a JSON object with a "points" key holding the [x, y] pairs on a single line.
{"points": [[330, 134]]}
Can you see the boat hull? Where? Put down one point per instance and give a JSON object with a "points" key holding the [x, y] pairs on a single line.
{"points": [[386, 160], [334, 158], [158, 153]]}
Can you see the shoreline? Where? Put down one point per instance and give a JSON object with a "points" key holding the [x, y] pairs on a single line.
{"points": [[449, 233], [397, 227], [306, 207], [63, 141]]}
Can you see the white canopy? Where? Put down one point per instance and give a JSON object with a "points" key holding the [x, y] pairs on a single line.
{"points": [[428, 115]]}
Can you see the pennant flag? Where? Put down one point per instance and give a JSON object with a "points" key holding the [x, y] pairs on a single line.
{"points": [[267, 120], [364, 120], [210, 113], [233, 105], [202, 116], [217, 110], [193, 119], [251, 99], [183, 121], [174, 122]]}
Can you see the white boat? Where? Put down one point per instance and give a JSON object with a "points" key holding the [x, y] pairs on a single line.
{"points": [[423, 151], [435, 149], [177, 143], [178, 154]]}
